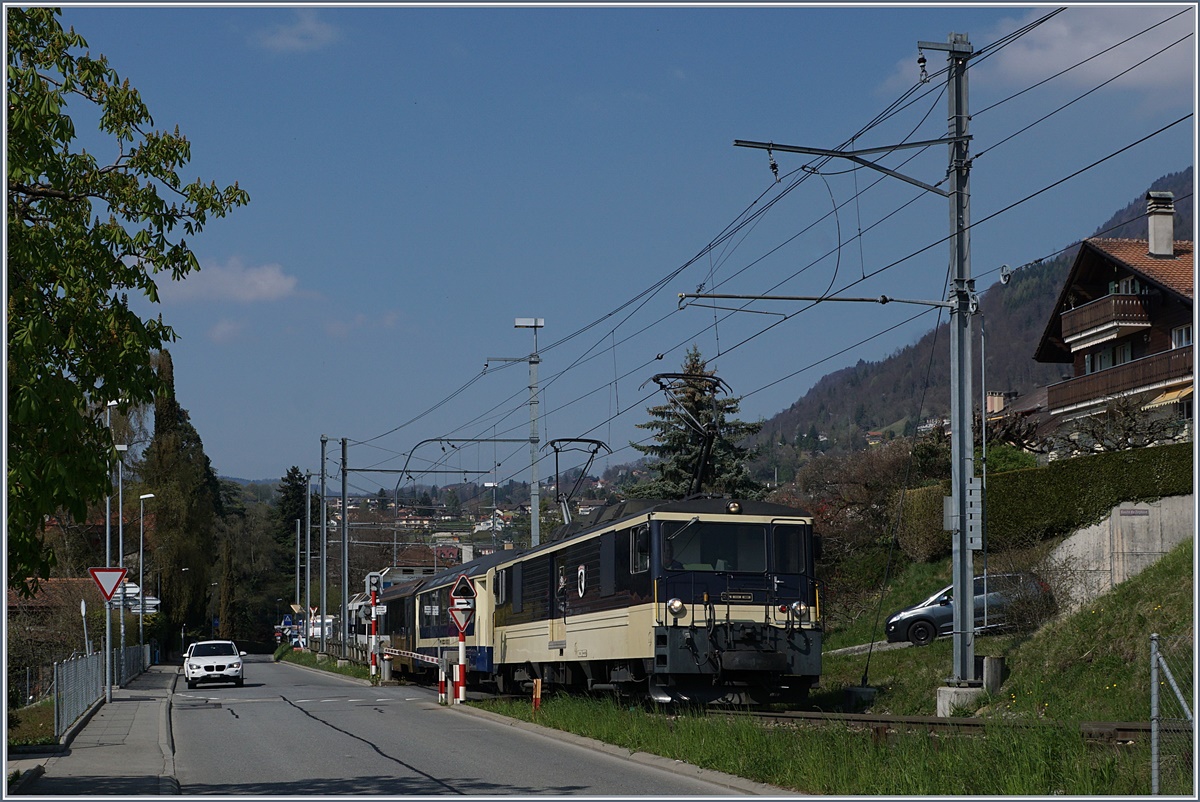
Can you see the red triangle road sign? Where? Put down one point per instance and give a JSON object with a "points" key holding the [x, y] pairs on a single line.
{"points": [[461, 617], [108, 579]]}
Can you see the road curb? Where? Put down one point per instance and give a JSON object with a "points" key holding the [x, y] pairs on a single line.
{"points": [[26, 778], [671, 765]]}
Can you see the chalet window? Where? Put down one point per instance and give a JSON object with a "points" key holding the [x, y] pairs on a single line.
{"points": [[1181, 337], [1108, 358], [1126, 286]]}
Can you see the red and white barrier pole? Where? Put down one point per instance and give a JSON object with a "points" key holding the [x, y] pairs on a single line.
{"points": [[441, 682], [374, 634], [460, 689]]}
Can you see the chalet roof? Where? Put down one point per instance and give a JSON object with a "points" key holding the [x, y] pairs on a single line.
{"points": [[1176, 274], [1173, 275]]}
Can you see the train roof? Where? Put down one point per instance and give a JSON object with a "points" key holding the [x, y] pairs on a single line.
{"points": [[476, 566], [631, 508]]}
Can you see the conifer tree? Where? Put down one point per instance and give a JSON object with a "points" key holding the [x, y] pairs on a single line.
{"points": [[678, 446]]}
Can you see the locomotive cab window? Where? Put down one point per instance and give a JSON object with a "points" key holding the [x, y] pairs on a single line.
{"points": [[697, 545], [639, 549], [789, 548]]}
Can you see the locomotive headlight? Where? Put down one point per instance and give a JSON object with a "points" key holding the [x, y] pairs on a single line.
{"points": [[799, 609], [677, 608]]}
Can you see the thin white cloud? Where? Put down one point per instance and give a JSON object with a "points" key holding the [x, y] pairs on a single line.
{"points": [[342, 329], [1082, 32], [1073, 37], [225, 331], [304, 34], [231, 282]]}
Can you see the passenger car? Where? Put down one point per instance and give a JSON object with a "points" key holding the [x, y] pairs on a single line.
{"points": [[213, 661], [996, 596]]}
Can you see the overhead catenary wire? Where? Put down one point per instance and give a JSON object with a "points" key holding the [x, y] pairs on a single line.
{"points": [[611, 334]]}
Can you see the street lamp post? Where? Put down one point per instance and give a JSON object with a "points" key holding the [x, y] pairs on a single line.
{"points": [[141, 568], [121, 449], [108, 564]]}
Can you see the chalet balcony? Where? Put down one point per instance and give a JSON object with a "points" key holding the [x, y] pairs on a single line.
{"points": [[1148, 373], [1105, 319]]}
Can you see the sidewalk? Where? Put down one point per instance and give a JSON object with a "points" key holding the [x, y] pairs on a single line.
{"points": [[124, 749]]}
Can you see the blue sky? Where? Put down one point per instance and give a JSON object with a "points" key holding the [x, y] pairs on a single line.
{"points": [[420, 177]]}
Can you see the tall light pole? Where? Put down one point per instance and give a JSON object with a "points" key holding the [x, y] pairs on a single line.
{"points": [[141, 566], [533, 359], [121, 449], [108, 564]]}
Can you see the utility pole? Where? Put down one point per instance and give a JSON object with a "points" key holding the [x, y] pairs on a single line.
{"points": [[963, 507], [297, 562], [324, 538], [307, 557], [345, 556]]}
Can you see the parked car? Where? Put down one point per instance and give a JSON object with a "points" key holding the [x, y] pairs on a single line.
{"points": [[996, 597], [213, 661]]}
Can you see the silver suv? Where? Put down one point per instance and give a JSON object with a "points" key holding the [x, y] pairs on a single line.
{"points": [[998, 600], [213, 661]]}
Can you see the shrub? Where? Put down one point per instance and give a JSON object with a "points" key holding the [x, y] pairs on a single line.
{"points": [[1028, 506]]}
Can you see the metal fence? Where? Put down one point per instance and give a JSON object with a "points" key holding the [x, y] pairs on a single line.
{"points": [[79, 682], [1172, 726]]}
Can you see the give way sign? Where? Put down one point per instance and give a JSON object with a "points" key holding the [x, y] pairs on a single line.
{"points": [[108, 579]]}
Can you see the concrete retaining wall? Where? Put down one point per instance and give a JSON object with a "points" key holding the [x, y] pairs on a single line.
{"points": [[1136, 535]]}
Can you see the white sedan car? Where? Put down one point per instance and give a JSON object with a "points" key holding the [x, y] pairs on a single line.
{"points": [[213, 661]]}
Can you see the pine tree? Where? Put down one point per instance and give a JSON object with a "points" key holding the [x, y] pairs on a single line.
{"points": [[678, 447]]}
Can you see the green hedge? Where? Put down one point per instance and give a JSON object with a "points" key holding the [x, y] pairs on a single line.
{"points": [[1031, 505]]}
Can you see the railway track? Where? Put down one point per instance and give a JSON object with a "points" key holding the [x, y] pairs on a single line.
{"points": [[1115, 732]]}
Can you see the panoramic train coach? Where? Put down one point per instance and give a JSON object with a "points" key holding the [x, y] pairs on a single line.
{"points": [[704, 600]]}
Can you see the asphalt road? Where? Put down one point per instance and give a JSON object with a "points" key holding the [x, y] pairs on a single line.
{"points": [[296, 732]]}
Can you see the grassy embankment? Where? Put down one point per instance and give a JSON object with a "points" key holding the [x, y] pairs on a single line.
{"points": [[1092, 665]]}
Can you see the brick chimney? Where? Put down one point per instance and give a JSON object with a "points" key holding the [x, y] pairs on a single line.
{"points": [[1160, 211]]}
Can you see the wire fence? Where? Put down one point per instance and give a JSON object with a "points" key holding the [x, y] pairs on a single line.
{"points": [[79, 682], [1172, 725]]}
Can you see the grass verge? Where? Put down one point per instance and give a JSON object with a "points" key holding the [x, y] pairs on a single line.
{"points": [[310, 659], [32, 725], [1044, 760], [1090, 665]]}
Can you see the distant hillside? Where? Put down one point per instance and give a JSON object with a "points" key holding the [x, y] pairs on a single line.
{"points": [[839, 410]]}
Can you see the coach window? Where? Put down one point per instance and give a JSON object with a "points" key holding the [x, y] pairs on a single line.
{"points": [[501, 596], [639, 549]]}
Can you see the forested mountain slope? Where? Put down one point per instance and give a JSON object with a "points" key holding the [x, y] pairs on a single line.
{"points": [[887, 395]]}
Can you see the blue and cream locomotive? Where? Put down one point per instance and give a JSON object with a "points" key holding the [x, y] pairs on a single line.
{"points": [[705, 600]]}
